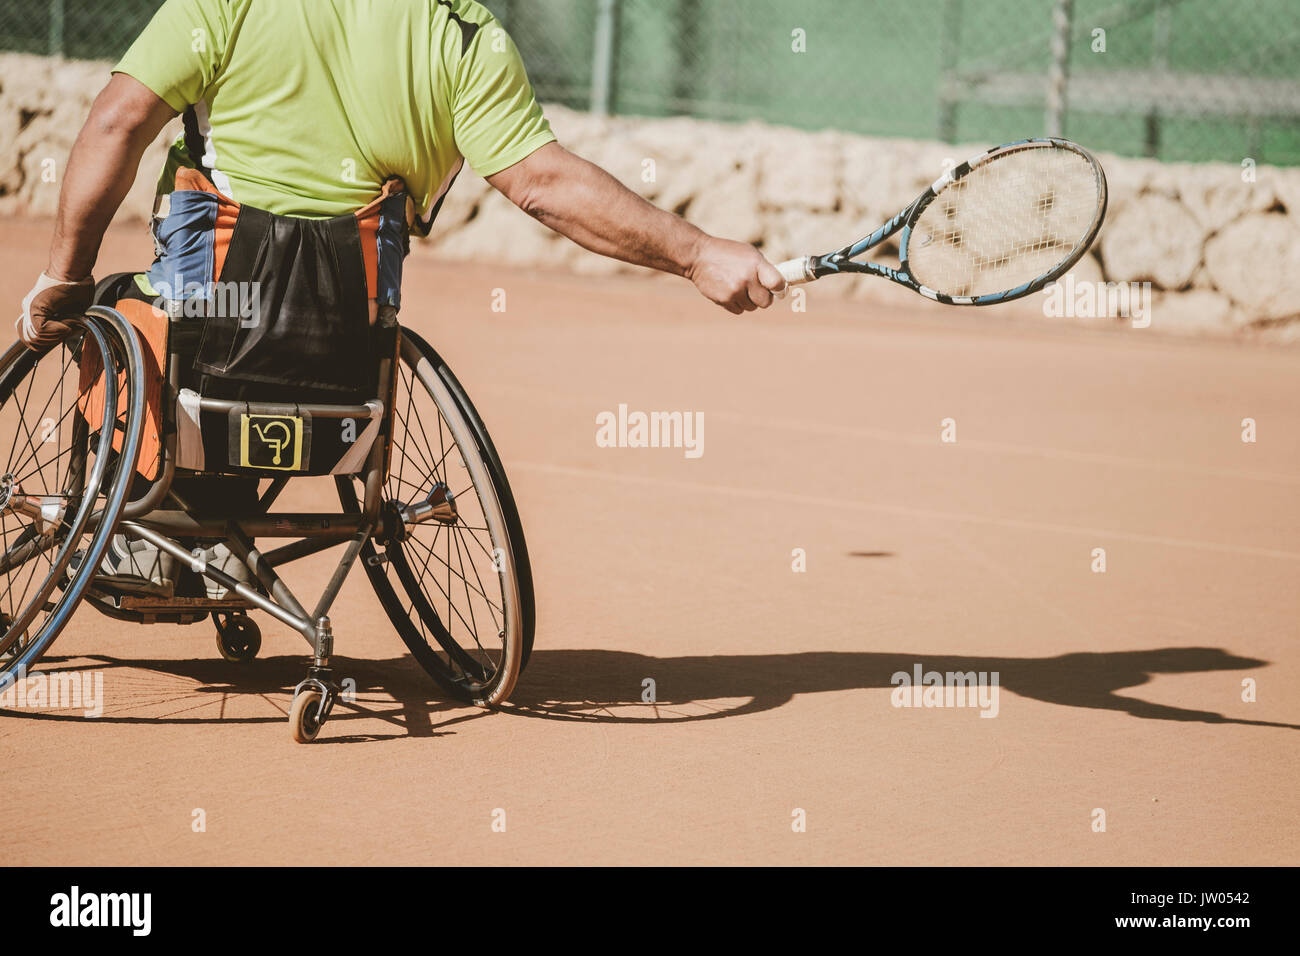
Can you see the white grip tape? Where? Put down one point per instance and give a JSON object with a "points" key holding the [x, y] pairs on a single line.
{"points": [[795, 271]]}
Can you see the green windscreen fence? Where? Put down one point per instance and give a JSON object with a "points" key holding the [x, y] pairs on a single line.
{"points": [[1188, 80]]}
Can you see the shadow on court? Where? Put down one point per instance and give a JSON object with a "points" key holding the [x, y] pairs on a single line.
{"points": [[606, 686], [1087, 680]]}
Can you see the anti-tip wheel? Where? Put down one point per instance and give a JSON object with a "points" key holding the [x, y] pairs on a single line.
{"points": [[238, 637], [303, 720]]}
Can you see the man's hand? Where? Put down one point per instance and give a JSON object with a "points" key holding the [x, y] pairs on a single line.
{"points": [[734, 275], [50, 301]]}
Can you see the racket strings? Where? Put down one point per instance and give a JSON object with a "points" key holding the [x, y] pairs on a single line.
{"points": [[1005, 223]]}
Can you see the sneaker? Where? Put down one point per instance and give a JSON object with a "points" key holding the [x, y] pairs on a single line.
{"points": [[223, 559], [135, 566]]}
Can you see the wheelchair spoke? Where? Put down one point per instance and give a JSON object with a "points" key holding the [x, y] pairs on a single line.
{"points": [[27, 587], [420, 602], [433, 461], [448, 591], [481, 590], [426, 478], [22, 420], [477, 590], [432, 469], [428, 475], [60, 474], [410, 404], [452, 610], [33, 445], [456, 609], [57, 478], [428, 447], [22, 417], [28, 546], [429, 548], [474, 537], [24, 562], [42, 466]]}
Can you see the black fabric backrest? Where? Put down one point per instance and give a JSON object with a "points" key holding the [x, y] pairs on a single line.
{"points": [[289, 318]]}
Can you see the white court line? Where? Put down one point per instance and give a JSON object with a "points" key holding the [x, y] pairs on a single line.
{"points": [[1059, 454], [732, 491], [930, 441]]}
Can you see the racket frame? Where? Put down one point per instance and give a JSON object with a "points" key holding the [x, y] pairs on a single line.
{"points": [[844, 260]]}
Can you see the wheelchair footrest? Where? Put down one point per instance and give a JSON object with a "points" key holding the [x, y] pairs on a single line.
{"points": [[151, 605], [121, 585]]}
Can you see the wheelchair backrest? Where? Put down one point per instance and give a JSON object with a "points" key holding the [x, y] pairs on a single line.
{"points": [[272, 317], [284, 303]]}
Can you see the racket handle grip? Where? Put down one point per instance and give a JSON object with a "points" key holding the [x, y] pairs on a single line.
{"points": [[796, 271]]}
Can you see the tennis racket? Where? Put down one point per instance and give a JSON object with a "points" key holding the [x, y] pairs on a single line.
{"points": [[992, 229]]}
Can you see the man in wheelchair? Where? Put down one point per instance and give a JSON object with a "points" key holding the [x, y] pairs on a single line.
{"points": [[318, 134]]}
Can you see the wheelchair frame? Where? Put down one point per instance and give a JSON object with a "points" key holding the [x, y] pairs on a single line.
{"points": [[315, 531], [376, 527]]}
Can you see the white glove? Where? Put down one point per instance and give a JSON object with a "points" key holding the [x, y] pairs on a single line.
{"points": [[51, 300]]}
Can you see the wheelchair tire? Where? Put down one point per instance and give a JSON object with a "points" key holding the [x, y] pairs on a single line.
{"points": [[490, 536], [82, 479], [303, 722], [238, 637]]}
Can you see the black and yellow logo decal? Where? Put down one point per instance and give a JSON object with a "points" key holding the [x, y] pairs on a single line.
{"points": [[271, 441]]}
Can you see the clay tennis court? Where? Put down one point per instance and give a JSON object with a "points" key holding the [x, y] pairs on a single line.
{"points": [[1120, 691]]}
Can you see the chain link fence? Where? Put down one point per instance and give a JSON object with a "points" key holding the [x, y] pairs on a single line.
{"points": [[1186, 80]]}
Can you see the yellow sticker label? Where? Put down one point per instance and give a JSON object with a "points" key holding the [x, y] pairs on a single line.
{"points": [[270, 441]]}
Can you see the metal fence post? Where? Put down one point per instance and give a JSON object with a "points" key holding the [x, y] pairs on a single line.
{"points": [[1058, 74], [949, 52], [602, 65], [56, 28], [1160, 65]]}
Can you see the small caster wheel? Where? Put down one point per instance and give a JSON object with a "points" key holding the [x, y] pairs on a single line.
{"points": [[238, 637], [304, 719], [15, 648]]}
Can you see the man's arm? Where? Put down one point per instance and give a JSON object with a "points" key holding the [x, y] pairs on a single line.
{"points": [[583, 202], [125, 119]]}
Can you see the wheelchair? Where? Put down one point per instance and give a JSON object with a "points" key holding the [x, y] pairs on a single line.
{"points": [[87, 460]]}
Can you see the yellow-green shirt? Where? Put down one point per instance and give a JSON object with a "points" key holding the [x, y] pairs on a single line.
{"points": [[306, 107]]}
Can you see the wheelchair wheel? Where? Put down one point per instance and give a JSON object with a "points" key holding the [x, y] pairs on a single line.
{"points": [[304, 722], [62, 486], [238, 637], [457, 587]]}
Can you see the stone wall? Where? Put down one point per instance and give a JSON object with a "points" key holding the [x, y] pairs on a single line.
{"points": [[1220, 244], [43, 104]]}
